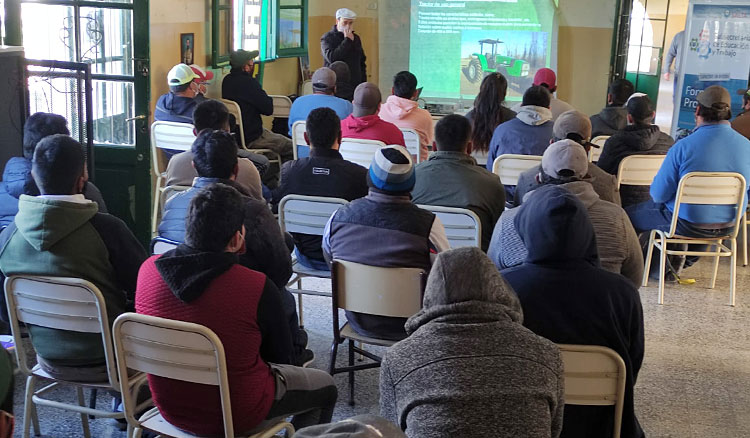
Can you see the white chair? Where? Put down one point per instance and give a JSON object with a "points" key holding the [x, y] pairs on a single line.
{"points": [[306, 88], [594, 376], [298, 138], [235, 110], [306, 215], [160, 245], [596, 152], [394, 292], [70, 304], [509, 167], [411, 138], [281, 106], [462, 226], [704, 188], [171, 136], [176, 350], [359, 151], [169, 191], [638, 170]]}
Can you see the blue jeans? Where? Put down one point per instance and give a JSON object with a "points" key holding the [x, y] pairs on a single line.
{"points": [[303, 260], [650, 215]]}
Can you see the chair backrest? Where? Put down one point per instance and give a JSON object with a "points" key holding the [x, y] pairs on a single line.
{"points": [[395, 292], [307, 214], [160, 245], [595, 153], [169, 191], [61, 303], [594, 376], [510, 166], [234, 109], [711, 188], [175, 350], [638, 170], [298, 136], [169, 135], [411, 138], [306, 88], [359, 151], [462, 226], [281, 106]]}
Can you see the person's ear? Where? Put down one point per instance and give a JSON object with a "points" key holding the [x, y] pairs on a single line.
{"points": [[80, 183], [237, 242], [469, 147], [195, 132], [653, 115], [307, 138], [630, 119], [192, 163], [393, 91], [337, 143], [434, 145], [609, 98], [415, 95], [235, 172]]}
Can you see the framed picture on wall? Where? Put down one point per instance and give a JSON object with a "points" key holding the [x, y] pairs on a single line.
{"points": [[187, 46]]}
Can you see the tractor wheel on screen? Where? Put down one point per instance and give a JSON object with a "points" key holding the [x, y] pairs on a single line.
{"points": [[474, 71]]}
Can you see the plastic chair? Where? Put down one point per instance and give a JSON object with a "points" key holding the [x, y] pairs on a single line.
{"points": [[638, 170], [595, 153], [411, 138], [705, 188], [71, 304], [306, 215], [160, 245], [462, 226], [166, 135], [594, 376], [298, 138], [176, 350], [359, 151], [281, 106], [394, 292], [509, 167], [306, 88], [234, 109]]}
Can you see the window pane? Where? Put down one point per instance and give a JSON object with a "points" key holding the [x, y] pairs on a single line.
{"points": [[290, 3], [225, 31], [48, 32], [115, 105], [57, 95], [106, 41], [249, 26], [290, 29]]}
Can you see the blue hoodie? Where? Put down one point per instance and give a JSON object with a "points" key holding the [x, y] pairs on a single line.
{"points": [[567, 298]]}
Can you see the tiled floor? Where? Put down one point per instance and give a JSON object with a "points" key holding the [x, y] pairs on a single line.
{"points": [[695, 380]]}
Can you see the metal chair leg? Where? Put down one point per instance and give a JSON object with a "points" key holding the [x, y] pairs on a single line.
{"points": [[334, 352], [351, 373], [28, 408], [744, 239], [299, 304], [84, 417], [733, 272], [92, 401], [649, 254], [662, 267], [716, 265]]}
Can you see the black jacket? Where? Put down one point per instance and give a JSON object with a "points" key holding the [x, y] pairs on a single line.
{"points": [[323, 173], [567, 298], [633, 140], [336, 47], [610, 120], [242, 88]]}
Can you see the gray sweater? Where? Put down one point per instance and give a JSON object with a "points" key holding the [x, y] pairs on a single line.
{"points": [[469, 368]]}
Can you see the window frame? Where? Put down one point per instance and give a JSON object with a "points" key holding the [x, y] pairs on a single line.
{"points": [[297, 51], [219, 60]]}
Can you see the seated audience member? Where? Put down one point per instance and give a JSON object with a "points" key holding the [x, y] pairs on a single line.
{"points": [[202, 282], [572, 125], [361, 426], [215, 160], [212, 114], [469, 343], [402, 110], [741, 123], [323, 173], [640, 137], [451, 177], [184, 94], [488, 113], [344, 87], [17, 179], [324, 86], [567, 298], [613, 117], [364, 122], [60, 233], [385, 229], [546, 77], [240, 86], [564, 163]]}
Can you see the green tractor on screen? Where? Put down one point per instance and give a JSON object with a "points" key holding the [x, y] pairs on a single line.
{"points": [[484, 63]]}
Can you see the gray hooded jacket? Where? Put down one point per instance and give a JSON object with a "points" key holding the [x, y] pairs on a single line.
{"points": [[469, 368]]}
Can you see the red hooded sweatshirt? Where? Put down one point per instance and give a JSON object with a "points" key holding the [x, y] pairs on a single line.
{"points": [[371, 128]]}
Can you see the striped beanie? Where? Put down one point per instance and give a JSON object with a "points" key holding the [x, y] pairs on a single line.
{"points": [[392, 170]]}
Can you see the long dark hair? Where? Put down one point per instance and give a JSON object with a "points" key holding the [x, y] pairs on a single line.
{"points": [[488, 111]]}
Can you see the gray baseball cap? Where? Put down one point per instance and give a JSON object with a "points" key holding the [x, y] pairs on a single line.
{"points": [[572, 122], [324, 79], [565, 155], [367, 97], [714, 95]]}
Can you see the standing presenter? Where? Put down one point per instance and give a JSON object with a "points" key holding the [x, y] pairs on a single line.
{"points": [[342, 44]]}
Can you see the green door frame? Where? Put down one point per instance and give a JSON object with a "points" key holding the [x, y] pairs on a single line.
{"points": [[123, 171]]}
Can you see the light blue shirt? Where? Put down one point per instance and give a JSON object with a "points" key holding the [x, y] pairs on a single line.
{"points": [[710, 148], [304, 104]]}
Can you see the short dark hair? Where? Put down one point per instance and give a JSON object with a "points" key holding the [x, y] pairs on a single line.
{"points": [[210, 114], [323, 127], [715, 113], [343, 73], [537, 95], [404, 84], [180, 88], [58, 163], [641, 110], [215, 213], [40, 125], [620, 90], [452, 133], [214, 154]]}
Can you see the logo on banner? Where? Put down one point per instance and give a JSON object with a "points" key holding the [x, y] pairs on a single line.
{"points": [[702, 45]]}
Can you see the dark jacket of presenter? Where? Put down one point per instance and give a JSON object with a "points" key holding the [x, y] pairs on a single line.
{"points": [[342, 44]]}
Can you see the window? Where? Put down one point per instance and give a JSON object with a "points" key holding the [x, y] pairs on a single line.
{"points": [[221, 32], [276, 28], [247, 36], [291, 28]]}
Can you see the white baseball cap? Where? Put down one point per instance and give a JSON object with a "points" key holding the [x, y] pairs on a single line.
{"points": [[180, 74], [346, 13]]}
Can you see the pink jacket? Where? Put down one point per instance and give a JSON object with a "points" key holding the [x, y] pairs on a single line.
{"points": [[406, 114], [371, 128]]}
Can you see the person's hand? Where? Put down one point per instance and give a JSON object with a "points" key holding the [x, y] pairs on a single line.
{"points": [[349, 33], [666, 76]]}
